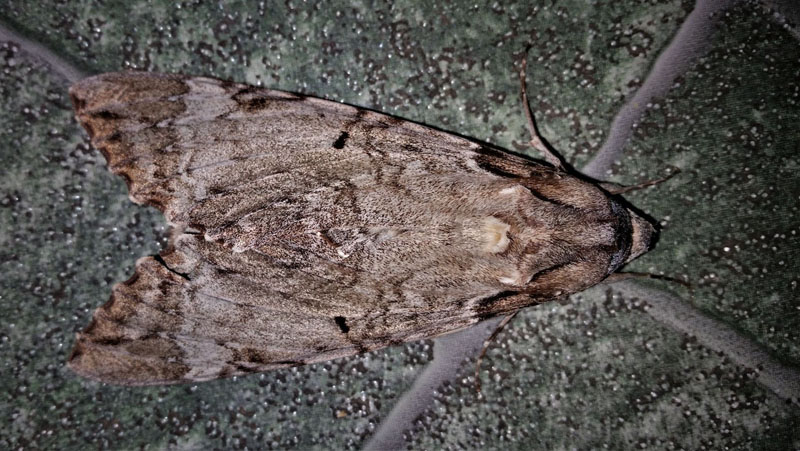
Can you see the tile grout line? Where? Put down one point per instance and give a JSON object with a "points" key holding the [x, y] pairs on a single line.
{"points": [[449, 353], [691, 41], [42, 54], [670, 310]]}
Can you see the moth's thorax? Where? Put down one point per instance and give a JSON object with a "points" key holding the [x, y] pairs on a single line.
{"points": [[558, 241]]}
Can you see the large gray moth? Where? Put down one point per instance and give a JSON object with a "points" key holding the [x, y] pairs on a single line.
{"points": [[306, 230]]}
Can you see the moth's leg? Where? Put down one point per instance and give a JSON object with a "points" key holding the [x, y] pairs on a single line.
{"points": [[620, 276], [615, 188], [537, 141], [486, 345]]}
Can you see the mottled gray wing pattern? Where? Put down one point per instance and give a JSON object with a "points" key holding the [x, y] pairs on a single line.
{"points": [[306, 230]]}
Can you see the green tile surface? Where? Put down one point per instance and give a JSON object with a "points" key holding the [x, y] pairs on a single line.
{"points": [[598, 372], [732, 219]]}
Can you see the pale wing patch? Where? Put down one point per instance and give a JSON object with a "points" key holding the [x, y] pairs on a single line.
{"points": [[495, 234], [515, 279], [511, 190]]}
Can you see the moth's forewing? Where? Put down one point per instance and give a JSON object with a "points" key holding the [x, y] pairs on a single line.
{"points": [[325, 230]]}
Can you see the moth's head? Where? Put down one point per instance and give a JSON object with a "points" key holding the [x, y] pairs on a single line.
{"points": [[643, 235], [635, 235]]}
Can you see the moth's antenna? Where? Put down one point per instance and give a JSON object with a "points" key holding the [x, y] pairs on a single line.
{"points": [[615, 188], [620, 276], [537, 140]]}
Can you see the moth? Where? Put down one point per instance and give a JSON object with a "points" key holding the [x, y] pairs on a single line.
{"points": [[305, 230]]}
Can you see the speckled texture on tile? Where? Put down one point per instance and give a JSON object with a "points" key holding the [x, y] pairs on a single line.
{"points": [[599, 371]]}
